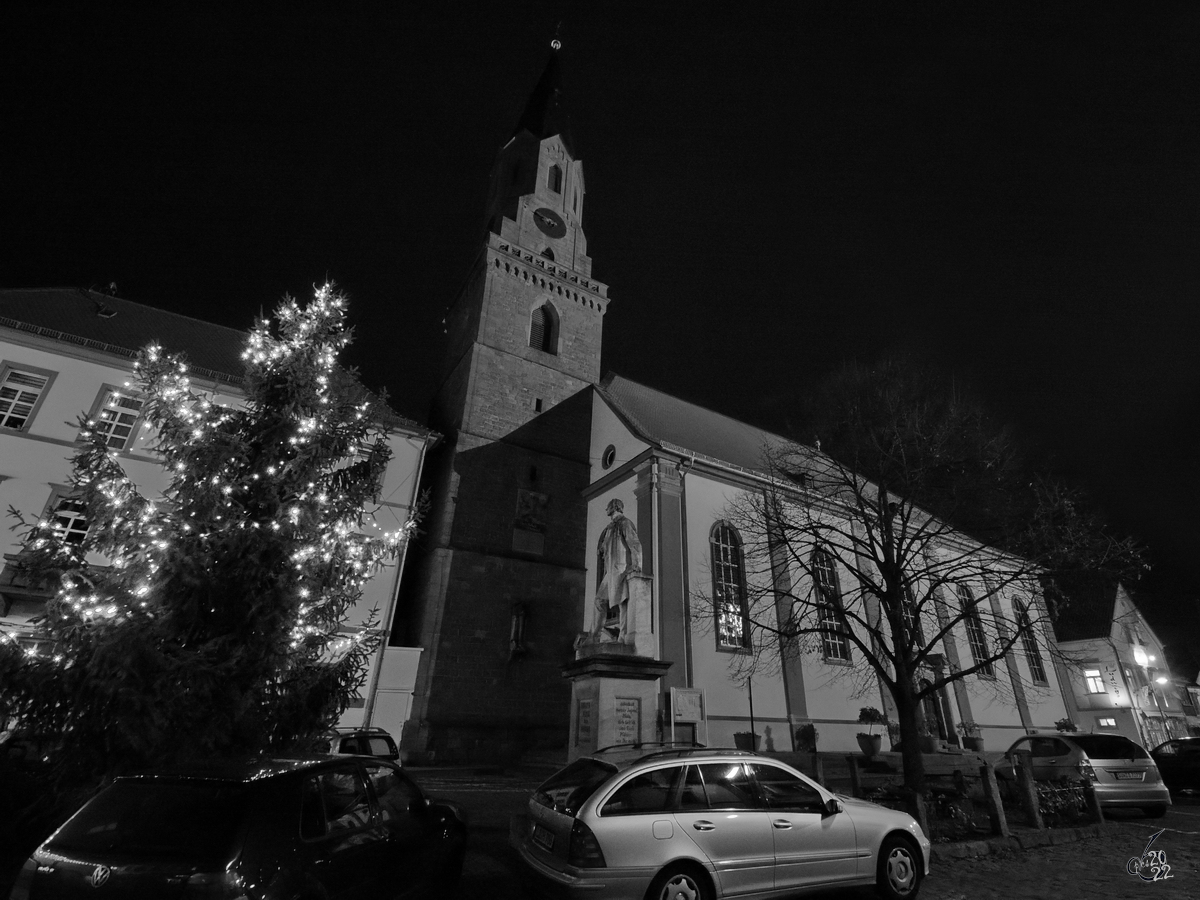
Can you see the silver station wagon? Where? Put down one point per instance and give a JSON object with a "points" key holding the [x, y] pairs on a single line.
{"points": [[706, 824], [1121, 772]]}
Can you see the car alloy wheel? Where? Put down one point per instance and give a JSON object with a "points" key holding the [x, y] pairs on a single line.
{"points": [[899, 869], [679, 884]]}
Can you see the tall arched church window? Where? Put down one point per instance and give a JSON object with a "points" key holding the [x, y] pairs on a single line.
{"points": [[543, 329], [835, 641], [976, 637], [1029, 643], [554, 179], [912, 621], [729, 587]]}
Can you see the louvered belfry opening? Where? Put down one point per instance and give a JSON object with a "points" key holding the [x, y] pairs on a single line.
{"points": [[542, 331]]}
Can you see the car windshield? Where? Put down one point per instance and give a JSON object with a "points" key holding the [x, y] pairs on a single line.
{"points": [[158, 819], [1109, 746], [567, 790]]}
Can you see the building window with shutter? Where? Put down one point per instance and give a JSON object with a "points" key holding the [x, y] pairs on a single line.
{"points": [[554, 179], [543, 329]]}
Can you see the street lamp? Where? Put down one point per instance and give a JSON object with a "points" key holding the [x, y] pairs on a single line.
{"points": [[1146, 661]]}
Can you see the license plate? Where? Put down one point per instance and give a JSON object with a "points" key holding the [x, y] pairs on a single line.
{"points": [[543, 837], [1128, 776]]}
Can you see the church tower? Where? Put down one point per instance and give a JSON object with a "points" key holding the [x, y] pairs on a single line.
{"points": [[499, 589]]}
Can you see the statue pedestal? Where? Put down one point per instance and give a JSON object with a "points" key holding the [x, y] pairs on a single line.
{"points": [[614, 697]]}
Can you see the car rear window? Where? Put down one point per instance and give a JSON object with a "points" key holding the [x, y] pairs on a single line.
{"points": [[378, 746], [1109, 746], [159, 819], [645, 793], [569, 788]]}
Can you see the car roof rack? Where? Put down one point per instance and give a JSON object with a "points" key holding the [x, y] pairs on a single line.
{"points": [[679, 752], [359, 729]]}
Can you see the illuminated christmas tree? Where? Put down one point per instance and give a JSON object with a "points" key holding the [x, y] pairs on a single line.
{"points": [[212, 624]]}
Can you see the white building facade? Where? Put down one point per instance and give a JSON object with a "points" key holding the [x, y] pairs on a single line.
{"points": [[1119, 677], [677, 469], [66, 353]]}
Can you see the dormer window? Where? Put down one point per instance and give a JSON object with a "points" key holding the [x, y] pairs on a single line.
{"points": [[554, 179], [543, 329]]}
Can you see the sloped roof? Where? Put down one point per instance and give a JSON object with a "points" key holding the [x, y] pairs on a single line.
{"points": [[678, 425], [1088, 611], [545, 112], [92, 319], [112, 325]]}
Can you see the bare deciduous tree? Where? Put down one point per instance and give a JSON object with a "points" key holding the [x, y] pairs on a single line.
{"points": [[915, 558]]}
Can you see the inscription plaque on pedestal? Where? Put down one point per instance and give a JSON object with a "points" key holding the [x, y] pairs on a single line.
{"points": [[629, 720], [585, 723]]}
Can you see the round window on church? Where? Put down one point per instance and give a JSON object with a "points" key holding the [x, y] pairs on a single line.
{"points": [[609, 456]]}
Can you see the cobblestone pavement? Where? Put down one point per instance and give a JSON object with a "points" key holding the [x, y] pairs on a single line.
{"points": [[1092, 869]]}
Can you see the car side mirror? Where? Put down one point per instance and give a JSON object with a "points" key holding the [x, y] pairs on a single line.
{"points": [[832, 807]]}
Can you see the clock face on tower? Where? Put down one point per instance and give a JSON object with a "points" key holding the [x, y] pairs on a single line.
{"points": [[549, 222]]}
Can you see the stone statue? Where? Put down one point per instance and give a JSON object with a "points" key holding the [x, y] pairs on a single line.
{"points": [[620, 556]]}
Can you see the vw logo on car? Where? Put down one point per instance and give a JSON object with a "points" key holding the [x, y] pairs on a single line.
{"points": [[99, 876]]}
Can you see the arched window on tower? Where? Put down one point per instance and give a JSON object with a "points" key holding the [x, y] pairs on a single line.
{"points": [[543, 329], [554, 179]]}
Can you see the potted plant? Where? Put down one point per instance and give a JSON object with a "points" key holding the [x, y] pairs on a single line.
{"points": [[970, 736], [745, 740], [870, 742]]}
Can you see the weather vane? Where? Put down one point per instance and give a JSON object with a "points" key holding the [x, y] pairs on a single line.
{"points": [[555, 43]]}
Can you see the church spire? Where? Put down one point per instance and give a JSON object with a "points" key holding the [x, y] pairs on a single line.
{"points": [[545, 112]]}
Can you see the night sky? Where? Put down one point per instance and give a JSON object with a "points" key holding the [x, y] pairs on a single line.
{"points": [[772, 191]]}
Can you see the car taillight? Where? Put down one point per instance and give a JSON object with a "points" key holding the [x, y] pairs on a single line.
{"points": [[584, 850], [215, 886], [1086, 770]]}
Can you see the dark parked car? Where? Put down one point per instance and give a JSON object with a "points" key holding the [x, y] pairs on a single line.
{"points": [[1179, 763], [280, 829], [361, 741]]}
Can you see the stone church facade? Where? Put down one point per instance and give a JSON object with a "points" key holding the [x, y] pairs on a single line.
{"points": [[500, 581], [502, 596]]}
